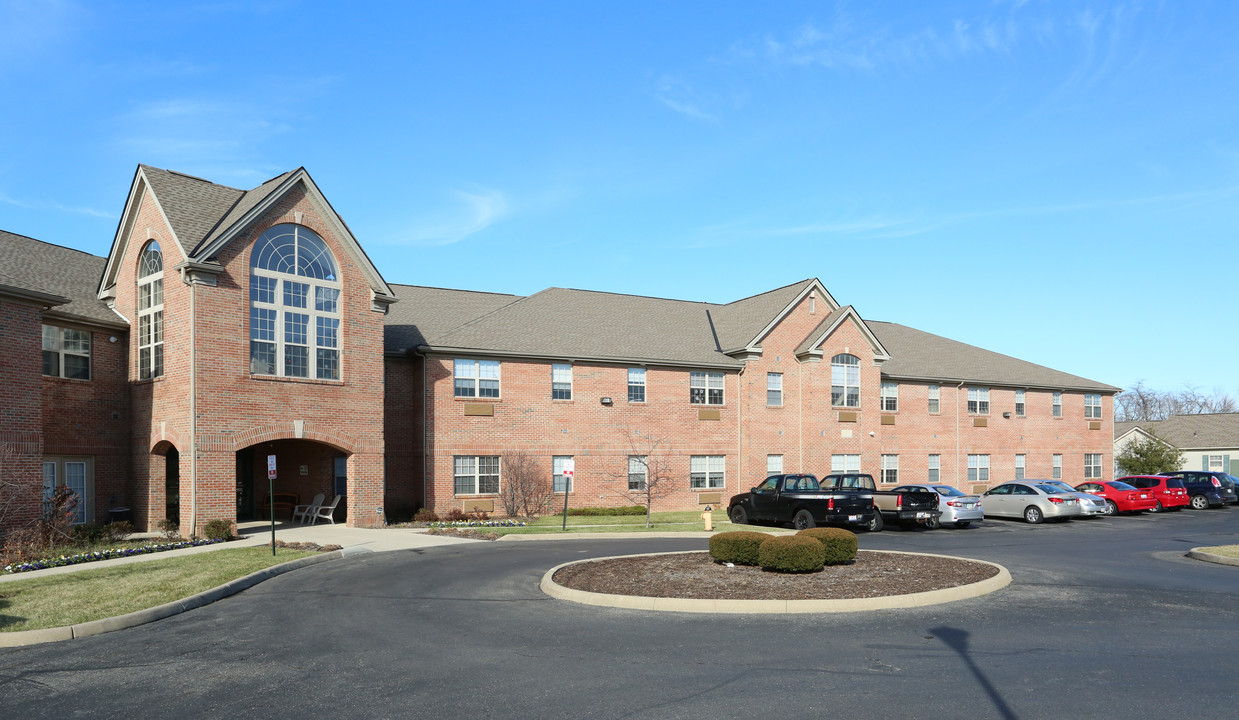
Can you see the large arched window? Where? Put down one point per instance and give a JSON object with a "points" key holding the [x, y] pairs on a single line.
{"points": [[845, 380], [294, 306], [150, 312]]}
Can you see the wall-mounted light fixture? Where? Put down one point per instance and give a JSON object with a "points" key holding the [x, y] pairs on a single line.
{"points": [[605, 401], [1006, 415]]}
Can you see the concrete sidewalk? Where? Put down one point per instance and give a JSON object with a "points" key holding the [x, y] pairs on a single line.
{"points": [[258, 533]]}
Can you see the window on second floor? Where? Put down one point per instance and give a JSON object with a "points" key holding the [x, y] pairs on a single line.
{"points": [[890, 397], [978, 401], [636, 385], [935, 401], [66, 353], [561, 382], [1058, 404], [150, 312], [1019, 403], [705, 388], [476, 378], [845, 381], [774, 389], [1092, 406]]}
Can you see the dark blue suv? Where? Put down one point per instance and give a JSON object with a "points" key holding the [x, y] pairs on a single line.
{"points": [[1207, 489]]}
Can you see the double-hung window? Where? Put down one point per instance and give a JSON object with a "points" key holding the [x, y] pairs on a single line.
{"points": [[636, 385], [638, 472], [845, 381], [774, 389], [476, 378], [890, 469], [890, 397], [1092, 406], [978, 401], [844, 464], [559, 481], [150, 312], [978, 468], [774, 465], [935, 468], [294, 306], [1019, 467], [705, 388], [935, 399], [1092, 466], [706, 472], [476, 474], [1058, 467], [1019, 403], [1058, 404], [561, 381], [66, 353]]}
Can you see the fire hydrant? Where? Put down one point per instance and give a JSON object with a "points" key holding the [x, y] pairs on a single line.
{"points": [[708, 517]]}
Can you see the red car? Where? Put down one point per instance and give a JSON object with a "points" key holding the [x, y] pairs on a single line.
{"points": [[1119, 496], [1170, 492]]}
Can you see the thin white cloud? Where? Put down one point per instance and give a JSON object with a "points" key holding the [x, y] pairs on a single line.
{"points": [[53, 206], [473, 212], [677, 95]]}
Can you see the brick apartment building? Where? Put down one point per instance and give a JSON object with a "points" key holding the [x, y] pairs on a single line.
{"points": [[226, 326]]}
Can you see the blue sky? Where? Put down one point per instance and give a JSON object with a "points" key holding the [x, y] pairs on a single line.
{"points": [[1057, 181]]}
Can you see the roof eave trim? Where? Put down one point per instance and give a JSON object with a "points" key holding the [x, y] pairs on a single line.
{"points": [[1103, 389], [609, 359], [814, 284], [880, 353], [35, 297], [85, 320]]}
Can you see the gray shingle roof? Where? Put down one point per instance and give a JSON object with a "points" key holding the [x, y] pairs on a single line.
{"points": [[821, 327], [1215, 430], [425, 314], [193, 205], [917, 355], [244, 203], [35, 265], [738, 323]]}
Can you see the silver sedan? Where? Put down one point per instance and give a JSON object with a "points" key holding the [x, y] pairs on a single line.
{"points": [[1032, 501], [1090, 504], [957, 507]]}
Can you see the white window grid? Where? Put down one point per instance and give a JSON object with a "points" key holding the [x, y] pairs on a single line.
{"points": [[978, 401], [845, 381], [705, 388], [707, 472], [1019, 403], [845, 463], [561, 381], [636, 385], [890, 397], [1092, 466], [638, 472], [1216, 463], [978, 468], [1092, 406], [66, 353], [890, 469], [475, 378], [935, 399], [935, 468], [774, 465], [1058, 404], [774, 389], [1058, 467], [1019, 467], [559, 483], [476, 474], [150, 312]]}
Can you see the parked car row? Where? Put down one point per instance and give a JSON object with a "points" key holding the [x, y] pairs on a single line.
{"points": [[853, 499]]}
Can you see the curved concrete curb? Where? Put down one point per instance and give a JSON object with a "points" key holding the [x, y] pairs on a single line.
{"points": [[636, 602], [176, 607], [1203, 554]]}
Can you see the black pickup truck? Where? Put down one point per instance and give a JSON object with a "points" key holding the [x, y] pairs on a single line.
{"points": [[919, 506], [802, 501]]}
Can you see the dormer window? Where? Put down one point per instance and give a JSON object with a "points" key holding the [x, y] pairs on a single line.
{"points": [[294, 306], [150, 312]]}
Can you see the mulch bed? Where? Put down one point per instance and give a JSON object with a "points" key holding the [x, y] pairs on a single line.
{"points": [[696, 575]]}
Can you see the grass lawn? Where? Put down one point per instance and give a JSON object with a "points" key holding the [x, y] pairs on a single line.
{"points": [[683, 521], [76, 597], [1227, 550]]}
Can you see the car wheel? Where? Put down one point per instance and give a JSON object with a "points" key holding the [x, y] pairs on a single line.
{"points": [[1158, 507], [1032, 514], [1200, 502], [963, 524], [803, 520], [1111, 508], [739, 516], [934, 523], [876, 524]]}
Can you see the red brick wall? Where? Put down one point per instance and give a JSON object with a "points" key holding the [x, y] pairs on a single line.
{"points": [[402, 434], [21, 411]]}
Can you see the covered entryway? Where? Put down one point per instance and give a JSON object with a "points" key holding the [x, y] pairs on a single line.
{"points": [[304, 468]]}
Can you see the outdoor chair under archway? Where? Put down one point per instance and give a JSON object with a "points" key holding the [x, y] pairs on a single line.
{"points": [[305, 512], [326, 512]]}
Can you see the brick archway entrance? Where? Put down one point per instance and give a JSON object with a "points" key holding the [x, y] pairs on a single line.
{"points": [[304, 468]]}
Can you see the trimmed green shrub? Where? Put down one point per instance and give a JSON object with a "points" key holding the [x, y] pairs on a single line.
{"points": [[839, 544], [792, 554], [87, 533], [596, 511], [218, 530], [739, 547]]}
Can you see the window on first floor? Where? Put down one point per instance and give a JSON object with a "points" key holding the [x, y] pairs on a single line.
{"points": [[66, 353], [935, 468], [561, 381], [774, 389], [706, 471], [1217, 463], [935, 399], [890, 469], [978, 468], [476, 378], [1019, 467], [76, 474], [1058, 467], [845, 463], [476, 474], [705, 388], [978, 401], [1092, 406], [1092, 466], [559, 481], [636, 385], [890, 397], [638, 472], [774, 465]]}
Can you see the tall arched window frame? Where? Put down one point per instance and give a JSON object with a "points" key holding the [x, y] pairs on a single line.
{"points": [[845, 380], [294, 305], [150, 312]]}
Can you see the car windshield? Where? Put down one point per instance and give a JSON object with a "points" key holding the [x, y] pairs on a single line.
{"points": [[1120, 485], [1057, 486], [948, 491], [1175, 482], [1052, 489]]}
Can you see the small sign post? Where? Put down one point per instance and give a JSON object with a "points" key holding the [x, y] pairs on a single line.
{"points": [[568, 471], [271, 497]]}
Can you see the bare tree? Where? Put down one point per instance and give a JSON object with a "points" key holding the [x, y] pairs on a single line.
{"points": [[1141, 402], [526, 490], [646, 473], [16, 497]]}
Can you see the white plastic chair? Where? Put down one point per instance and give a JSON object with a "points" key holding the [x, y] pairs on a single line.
{"points": [[305, 512], [326, 512]]}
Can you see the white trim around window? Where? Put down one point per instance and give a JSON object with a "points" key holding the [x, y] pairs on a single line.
{"points": [[935, 399], [475, 474], [1057, 461], [978, 468], [707, 472], [890, 469], [978, 401], [774, 389], [1092, 406], [935, 469], [66, 352], [561, 381], [636, 385], [77, 472], [705, 388], [475, 378], [890, 397]]}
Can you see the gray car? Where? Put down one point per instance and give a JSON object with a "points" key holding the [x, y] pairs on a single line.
{"points": [[1032, 501], [957, 507], [1090, 505]]}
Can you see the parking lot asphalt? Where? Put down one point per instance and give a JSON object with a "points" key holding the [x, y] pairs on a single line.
{"points": [[1105, 618]]}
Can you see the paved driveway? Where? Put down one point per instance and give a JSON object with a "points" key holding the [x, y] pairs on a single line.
{"points": [[1104, 619]]}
